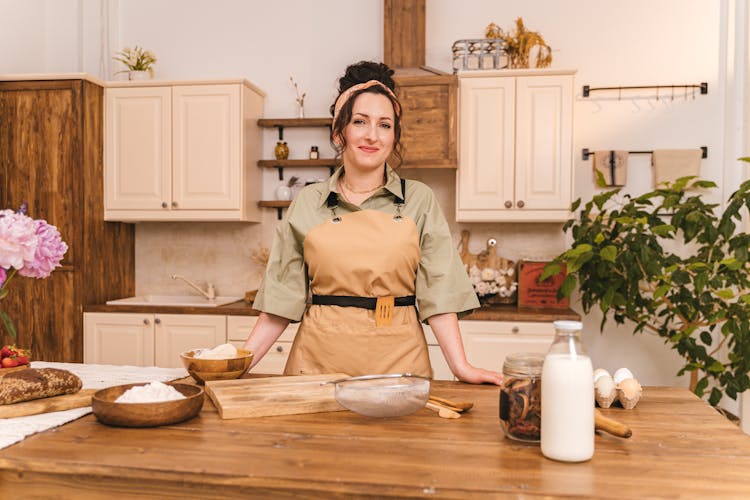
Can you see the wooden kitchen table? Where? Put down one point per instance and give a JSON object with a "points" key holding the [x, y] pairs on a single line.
{"points": [[681, 448]]}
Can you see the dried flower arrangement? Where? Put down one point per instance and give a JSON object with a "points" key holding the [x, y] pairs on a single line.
{"points": [[520, 45], [300, 97], [259, 256]]}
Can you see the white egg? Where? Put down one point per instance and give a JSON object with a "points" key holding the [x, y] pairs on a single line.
{"points": [[599, 372], [622, 374]]}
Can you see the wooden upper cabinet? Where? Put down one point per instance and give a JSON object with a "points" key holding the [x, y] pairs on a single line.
{"points": [[429, 118], [428, 96], [183, 152]]}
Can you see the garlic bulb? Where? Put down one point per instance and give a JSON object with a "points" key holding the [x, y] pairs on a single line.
{"points": [[622, 374], [600, 372], [629, 392], [605, 390]]}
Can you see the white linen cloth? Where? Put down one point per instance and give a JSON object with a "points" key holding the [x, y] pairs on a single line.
{"points": [[13, 430]]}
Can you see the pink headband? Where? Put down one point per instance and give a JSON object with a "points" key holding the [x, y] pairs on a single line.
{"points": [[345, 95]]}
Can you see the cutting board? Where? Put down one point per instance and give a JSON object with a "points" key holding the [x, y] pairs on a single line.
{"points": [[45, 405], [264, 397]]}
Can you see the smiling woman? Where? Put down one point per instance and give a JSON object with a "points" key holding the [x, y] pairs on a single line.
{"points": [[375, 251]]}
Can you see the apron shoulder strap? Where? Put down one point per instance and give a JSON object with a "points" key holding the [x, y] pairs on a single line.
{"points": [[402, 200]]}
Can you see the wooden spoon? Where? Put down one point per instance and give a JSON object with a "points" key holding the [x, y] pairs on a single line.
{"points": [[443, 411], [455, 405]]}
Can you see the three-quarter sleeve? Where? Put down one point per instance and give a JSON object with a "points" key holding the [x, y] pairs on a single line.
{"points": [[283, 291], [443, 285]]}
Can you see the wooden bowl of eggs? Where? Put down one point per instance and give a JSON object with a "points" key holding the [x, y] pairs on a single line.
{"points": [[147, 404], [223, 362]]}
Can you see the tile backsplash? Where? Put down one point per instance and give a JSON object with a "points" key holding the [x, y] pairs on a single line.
{"points": [[220, 252]]}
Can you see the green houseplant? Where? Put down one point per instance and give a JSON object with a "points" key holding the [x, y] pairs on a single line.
{"points": [[697, 302]]}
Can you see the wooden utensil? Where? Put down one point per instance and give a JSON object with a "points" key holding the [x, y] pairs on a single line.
{"points": [[286, 395], [46, 405], [442, 411], [611, 426], [455, 405]]}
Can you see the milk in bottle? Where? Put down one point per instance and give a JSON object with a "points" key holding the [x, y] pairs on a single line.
{"points": [[567, 424]]}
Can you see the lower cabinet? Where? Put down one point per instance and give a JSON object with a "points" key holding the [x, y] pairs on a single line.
{"points": [[488, 342], [148, 339], [238, 328], [158, 339]]}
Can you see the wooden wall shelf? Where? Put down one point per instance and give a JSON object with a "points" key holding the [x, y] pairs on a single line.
{"points": [[279, 205], [281, 123]]}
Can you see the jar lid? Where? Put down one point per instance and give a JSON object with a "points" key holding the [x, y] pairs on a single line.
{"points": [[568, 326], [523, 363]]}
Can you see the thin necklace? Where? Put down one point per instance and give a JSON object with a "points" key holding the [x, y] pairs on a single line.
{"points": [[351, 189]]}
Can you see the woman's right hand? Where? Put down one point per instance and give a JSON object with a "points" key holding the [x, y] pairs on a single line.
{"points": [[266, 331]]}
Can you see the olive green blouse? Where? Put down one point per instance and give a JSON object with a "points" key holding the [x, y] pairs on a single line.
{"points": [[442, 284]]}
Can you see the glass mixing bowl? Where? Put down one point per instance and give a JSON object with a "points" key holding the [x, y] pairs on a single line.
{"points": [[390, 395]]}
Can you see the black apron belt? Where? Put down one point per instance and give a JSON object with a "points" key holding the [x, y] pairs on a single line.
{"points": [[362, 302]]}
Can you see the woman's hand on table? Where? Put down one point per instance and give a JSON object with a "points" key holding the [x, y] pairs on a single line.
{"points": [[474, 375]]}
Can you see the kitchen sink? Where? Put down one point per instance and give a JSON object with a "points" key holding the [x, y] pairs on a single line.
{"points": [[174, 300]]}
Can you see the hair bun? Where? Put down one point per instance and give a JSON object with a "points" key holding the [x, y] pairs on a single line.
{"points": [[364, 71]]}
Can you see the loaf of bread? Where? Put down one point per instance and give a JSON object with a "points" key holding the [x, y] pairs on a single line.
{"points": [[36, 383]]}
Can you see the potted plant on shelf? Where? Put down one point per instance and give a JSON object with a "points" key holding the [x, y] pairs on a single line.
{"points": [[699, 302], [140, 63]]}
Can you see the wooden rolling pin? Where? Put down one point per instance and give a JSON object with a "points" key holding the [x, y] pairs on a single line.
{"points": [[611, 426], [45, 405]]}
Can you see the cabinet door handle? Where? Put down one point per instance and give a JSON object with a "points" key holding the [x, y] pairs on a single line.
{"points": [[515, 329], [508, 204], [279, 348], [164, 204], [520, 204], [157, 321], [146, 322], [174, 204]]}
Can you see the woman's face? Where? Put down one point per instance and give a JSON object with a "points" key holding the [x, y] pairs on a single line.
{"points": [[370, 134]]}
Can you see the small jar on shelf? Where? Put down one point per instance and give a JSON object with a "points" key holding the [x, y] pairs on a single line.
{"points": [[314, 153], [281, 151]]}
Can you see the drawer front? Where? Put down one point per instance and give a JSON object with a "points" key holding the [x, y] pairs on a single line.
{"points": [[239, 327], [507, 327], [274, 361], [489, 351]]}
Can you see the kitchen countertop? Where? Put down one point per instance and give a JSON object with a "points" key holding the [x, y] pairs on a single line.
{"points": [[241, 308], [680, 448]]}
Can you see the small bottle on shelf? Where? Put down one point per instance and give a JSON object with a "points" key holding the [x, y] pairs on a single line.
{"points": [[314, 153]]}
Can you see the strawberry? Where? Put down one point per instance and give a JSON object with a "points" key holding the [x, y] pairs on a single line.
{"points": [[22, 360], [9, 362], [8, 351]]}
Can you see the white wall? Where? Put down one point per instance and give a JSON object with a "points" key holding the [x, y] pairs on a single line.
{"points": [[609, 42]]}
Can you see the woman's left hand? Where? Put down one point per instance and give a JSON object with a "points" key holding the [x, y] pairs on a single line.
{"points": [[474, 375]]}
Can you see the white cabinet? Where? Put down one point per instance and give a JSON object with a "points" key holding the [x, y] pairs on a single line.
{"points": [[487, 343], [182, 151], [148, 339], [238, 328], [515, 146]]}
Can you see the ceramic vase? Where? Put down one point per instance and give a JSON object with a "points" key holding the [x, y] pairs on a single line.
{"points": [[138, 75]]}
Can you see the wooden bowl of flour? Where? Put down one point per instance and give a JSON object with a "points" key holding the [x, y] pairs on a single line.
{"points": [[109, 412]]}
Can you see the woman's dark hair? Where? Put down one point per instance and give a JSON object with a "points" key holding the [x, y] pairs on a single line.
{"points": [[362, 72]]}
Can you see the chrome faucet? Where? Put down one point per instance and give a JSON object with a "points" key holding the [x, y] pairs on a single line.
{"points": [[210, 293]]}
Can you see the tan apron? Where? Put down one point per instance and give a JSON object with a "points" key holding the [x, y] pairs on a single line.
{"points": [[367, 253]]}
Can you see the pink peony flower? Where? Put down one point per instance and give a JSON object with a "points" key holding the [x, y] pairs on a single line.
{"points": [[18, 239], [49, 252]]}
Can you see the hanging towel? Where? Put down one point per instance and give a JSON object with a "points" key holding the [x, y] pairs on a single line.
{"points": [[671, 164], [613, 165]]}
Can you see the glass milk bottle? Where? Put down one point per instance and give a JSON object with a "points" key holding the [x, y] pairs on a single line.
{"points": [[567, 427]]}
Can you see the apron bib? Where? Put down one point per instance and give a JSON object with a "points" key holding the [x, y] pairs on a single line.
{"points": [[367, 253]]}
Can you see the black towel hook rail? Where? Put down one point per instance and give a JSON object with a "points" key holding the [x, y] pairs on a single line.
{"points": [[703, 86], [586, 152]]}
